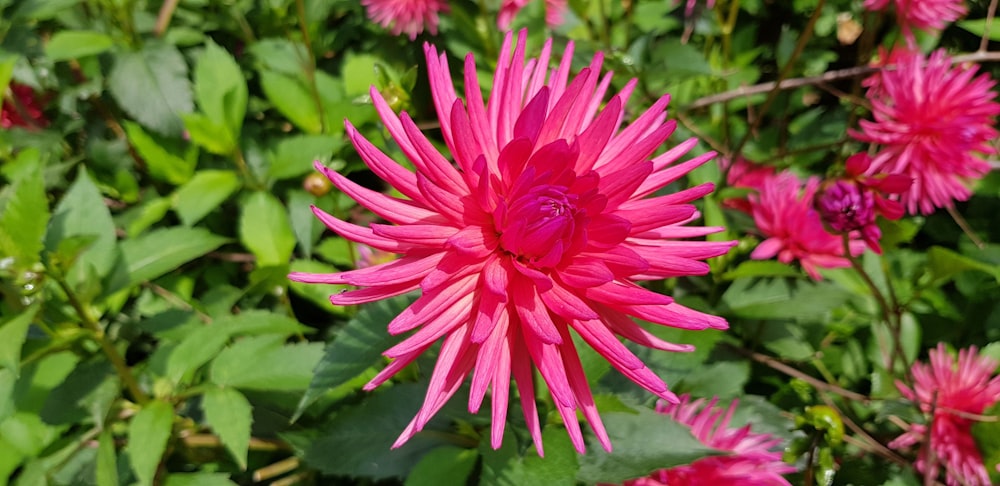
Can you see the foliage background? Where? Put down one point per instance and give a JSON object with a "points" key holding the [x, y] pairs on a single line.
{"points": [[149, 220]]}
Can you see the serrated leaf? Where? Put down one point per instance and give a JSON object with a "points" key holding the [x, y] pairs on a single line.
{"points": [[773, 298], [205, 192], [358, 346], [12, 335], [162, 164], [229, 414], [264, 363], [148, 433], [265, 229], [152, 86], [292, 98], [221, 90], [106, 469], [444, 465], [208, 134], [205, 342], [22, 224], [161, 251], [74, 44], [82, 212], [643, 442]]}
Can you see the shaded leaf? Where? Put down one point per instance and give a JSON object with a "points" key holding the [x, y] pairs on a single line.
{"points": [[358, 346], [107, 460], [82, 212], [162, 163], [506, 467], [158, 252], [198, 479], [22, 224], [13, 331], [152, 86]]}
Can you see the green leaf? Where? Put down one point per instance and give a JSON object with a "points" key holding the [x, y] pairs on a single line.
{"points": [[978, 28], [207, 134], [294, 156], [74, 44], [292, 98], [138, 219], [265, 229], [944, 264], [263, 363], [152, 86], [198, 479], [444, 465], [643, 442], [761, 268], [201, 345], [7, 63], [82, 212], [162, 164], [987, 436], [362, 74], [507, 467], [106, 469], [161, 251], [221, 90], [358, 346], [205, 192], [229, 414], [12, 334], [783, 299], [304, 222], [358, 440], [22, 224], [148, 434]]}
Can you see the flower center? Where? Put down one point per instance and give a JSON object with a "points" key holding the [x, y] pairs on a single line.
{"points": [[540, 224]]}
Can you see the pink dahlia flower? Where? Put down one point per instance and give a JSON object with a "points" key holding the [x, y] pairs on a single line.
{"points": [[753, 460], [784, 214], [406, 16], [744, 174], [921, 14], [851, 203], [932, 122], [541, 227], [952, 395], [554, 10]]}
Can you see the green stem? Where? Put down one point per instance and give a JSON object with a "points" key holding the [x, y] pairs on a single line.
{"points": [[109, 349], [310, 65]]}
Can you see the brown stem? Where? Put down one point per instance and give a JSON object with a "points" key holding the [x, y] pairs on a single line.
{"points": [[794, 373], [785, 71], [962, 223], [985, 40], [827, 77], [163, 17], [310, 64]]}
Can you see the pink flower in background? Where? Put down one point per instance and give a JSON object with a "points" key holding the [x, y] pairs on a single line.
{"points": [[921, 14], [851, 203], [541, 226], [753, 460], [22, 109], [784, 214], [689, 6], [554, 10], [951, 393], [745, 175], [406, 16], [932, 123]]}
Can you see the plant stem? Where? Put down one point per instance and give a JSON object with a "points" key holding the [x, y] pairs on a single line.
{"points": [[124, 373], [310, 65]]}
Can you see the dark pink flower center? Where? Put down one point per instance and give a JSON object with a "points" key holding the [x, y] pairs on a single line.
{"points": [[846, 207], [540, 224]]}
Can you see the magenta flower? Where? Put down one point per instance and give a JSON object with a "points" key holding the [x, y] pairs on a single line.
{"points": [[22, 109], [744, 174], [753, 460], [952, 395], [921, 14], [542, 227], [406, 16], [690, 4], [784, 215], [850, 204], [932, 122], [554, 10]]}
